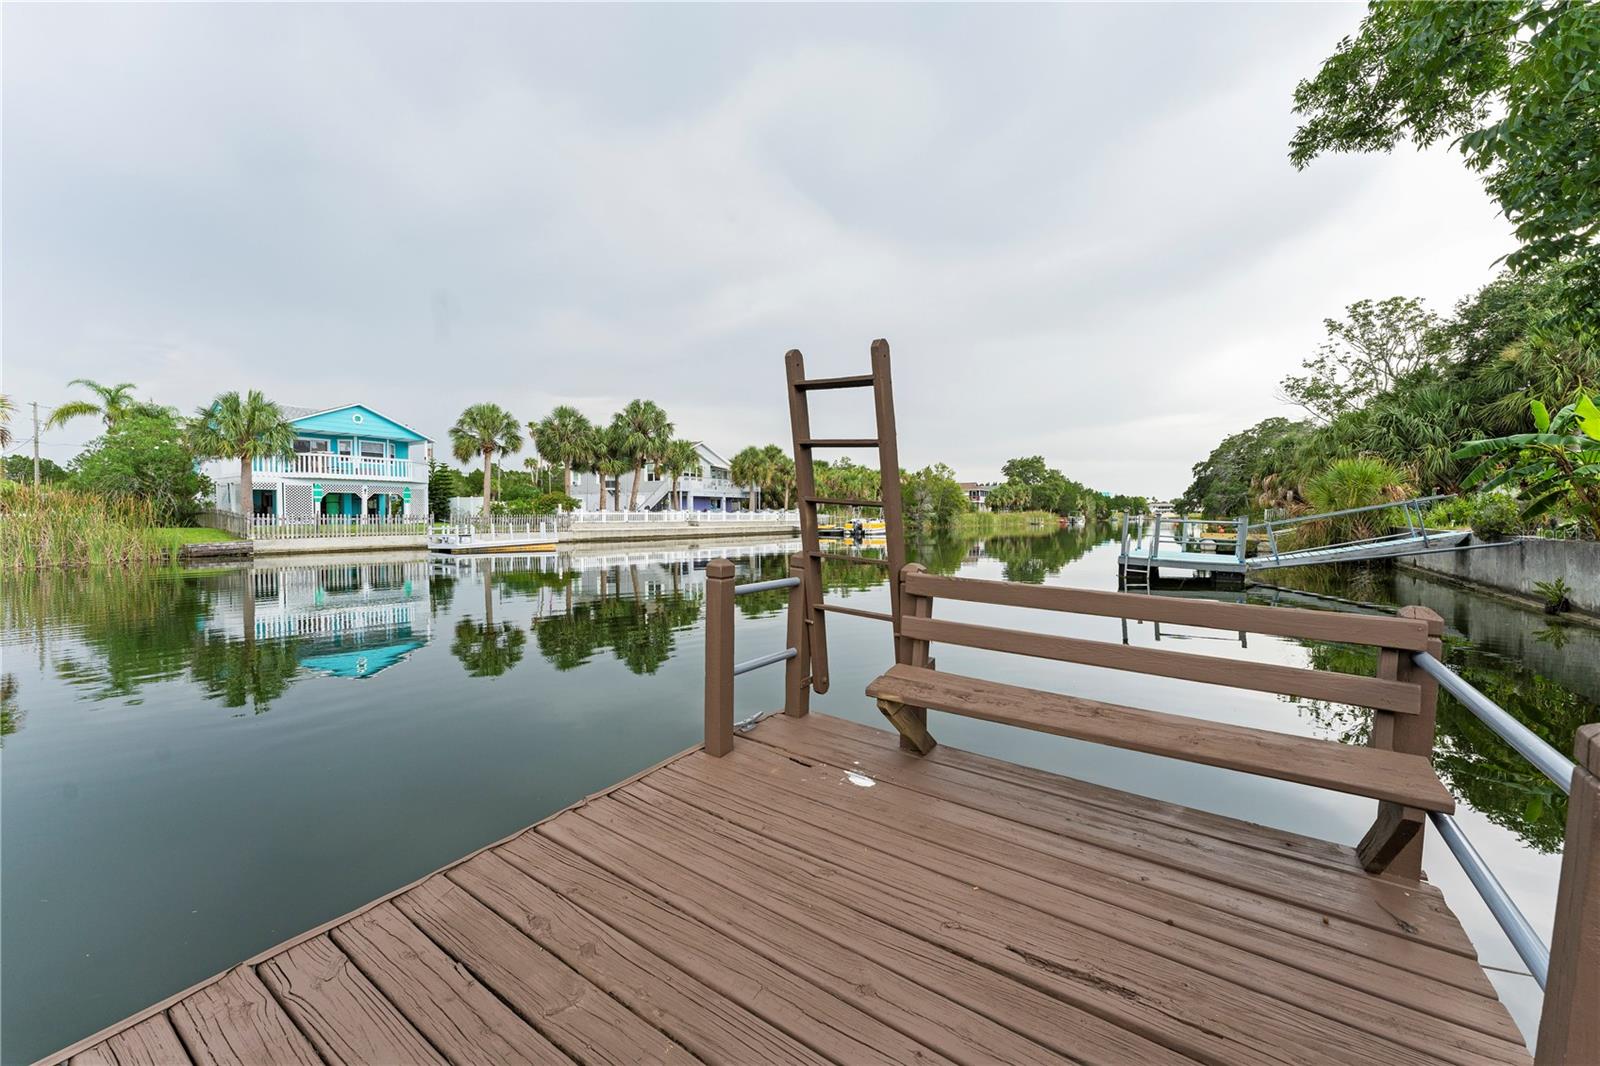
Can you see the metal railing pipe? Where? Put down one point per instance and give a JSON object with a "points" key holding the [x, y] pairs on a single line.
{"points": [[763, 660], [1517, 928], [1532, 747], [766, 586]]}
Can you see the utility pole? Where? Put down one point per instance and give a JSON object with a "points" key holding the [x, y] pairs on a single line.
{"points": [[35, 445]]}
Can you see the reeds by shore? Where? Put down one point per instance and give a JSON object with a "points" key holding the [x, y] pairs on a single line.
{"points": [[52, 528]]}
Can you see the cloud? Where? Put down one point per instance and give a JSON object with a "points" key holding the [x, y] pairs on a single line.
{"points": [[1076, 225]]}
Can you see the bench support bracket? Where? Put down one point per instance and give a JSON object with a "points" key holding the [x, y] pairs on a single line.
{"points": [[1389, 836], [912, 723]]}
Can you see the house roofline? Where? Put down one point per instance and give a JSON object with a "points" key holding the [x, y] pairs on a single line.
{"points": [[374, 410]]}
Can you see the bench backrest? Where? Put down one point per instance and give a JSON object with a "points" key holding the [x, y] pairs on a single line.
{"points": [[1395, 693]]}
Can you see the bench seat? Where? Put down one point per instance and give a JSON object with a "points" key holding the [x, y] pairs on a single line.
{"points": [[1363, 771]]}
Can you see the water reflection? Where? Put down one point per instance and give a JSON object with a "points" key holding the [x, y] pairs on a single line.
{"points": [[579, 669]]}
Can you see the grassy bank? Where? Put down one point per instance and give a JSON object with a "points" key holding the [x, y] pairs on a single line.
{"points": [[59, 528], [1009, 523]]}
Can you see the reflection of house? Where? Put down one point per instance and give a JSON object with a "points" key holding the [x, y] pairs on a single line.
{"points": [[348, 620], [347, 460], [708, 487], [978, 492]]}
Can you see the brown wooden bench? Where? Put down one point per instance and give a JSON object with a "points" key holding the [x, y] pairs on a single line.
{"points": [[1394, 769]]}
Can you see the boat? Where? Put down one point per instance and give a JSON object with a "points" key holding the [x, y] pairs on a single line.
{"points": [[509, 537]]}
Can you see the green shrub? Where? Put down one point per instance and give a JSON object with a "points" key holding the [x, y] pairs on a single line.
{"points": [[1488, 514]]}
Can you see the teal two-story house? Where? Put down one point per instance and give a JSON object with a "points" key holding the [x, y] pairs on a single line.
{"points": [[348, 461]]}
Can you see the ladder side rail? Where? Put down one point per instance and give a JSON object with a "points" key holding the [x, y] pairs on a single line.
{"points": [[889, 490], [806, 486]]}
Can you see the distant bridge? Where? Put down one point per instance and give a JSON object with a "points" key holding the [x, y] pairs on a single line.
{"points": [[1193, 549]]}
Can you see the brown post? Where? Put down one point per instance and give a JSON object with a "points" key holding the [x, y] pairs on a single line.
{"points": [[911, 722], [894, 529], [796, 683], [1569, 1029], [719, 657], [1394, 843]]}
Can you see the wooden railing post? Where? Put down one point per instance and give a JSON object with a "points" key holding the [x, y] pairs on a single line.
{"points": [[1569, 1029], [1394, 843], [911, 722], [719, 657], [796, 673]]}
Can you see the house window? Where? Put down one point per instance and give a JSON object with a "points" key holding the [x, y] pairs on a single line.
{"points": [[374, 449], [310, 446], [344, 446]]}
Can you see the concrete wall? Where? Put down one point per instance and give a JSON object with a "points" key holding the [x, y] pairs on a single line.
{"points": [[594, 532], [1515, 566]]}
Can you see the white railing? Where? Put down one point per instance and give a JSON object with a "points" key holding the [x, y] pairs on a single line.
{"points": [[275, 527], [582, 518], [325, 464]]}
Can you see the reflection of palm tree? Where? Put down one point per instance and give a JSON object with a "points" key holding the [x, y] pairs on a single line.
{"points": [[488, 650], [247, 671], [10, 713]]}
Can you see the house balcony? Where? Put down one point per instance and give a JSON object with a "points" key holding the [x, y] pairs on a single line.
{"points": [[326, 465]]}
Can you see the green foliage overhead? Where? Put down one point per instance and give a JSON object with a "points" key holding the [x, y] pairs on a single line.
{"points": [[143, 456], [1558, 462], [1514, 85]]}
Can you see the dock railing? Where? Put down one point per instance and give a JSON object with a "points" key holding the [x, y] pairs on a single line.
{"points": [[721, 668], [1402, 696]]}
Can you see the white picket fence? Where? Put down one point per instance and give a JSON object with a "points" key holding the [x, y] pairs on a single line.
{"points": [[274, 527]]}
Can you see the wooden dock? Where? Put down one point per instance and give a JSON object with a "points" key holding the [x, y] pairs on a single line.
{"points": [[819, 895], [805, 889]]}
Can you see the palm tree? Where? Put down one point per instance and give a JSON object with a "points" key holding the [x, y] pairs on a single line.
{"points": [[485, 429], [114, 402], [563, 437], [639, 428], [245, 428], [5, 421], [613, 463], [749, 468], [676, 459], [779, 477]]}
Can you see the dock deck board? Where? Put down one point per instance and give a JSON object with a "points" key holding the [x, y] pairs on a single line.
{"points": [[818, 895]]}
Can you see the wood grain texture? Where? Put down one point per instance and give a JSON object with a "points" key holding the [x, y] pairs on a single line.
{"points": [[1407, 924], [1234, 617], [1052, 922], [1569, 1028], [1405, 779], [572, 1013], [236, 1022], [1206, 669], [152, 1042], [693, 1014], [345, 1017], [459, 1016]]}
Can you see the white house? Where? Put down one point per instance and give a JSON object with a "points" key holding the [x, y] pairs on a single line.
{"points": [[709, 487], [348, 460]]}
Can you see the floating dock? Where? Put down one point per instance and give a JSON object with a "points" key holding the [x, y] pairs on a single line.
{"points": [[493, 539]]}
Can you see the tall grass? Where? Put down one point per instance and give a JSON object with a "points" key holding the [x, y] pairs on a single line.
{"points": [[1010, 523], [52, 528]]}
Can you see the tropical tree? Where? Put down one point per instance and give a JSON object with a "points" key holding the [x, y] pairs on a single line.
{"points": [[612, 459], [1375, 346], [485, 429], [638, 431], [246, 428], [143, 457], [5, 421], [1512, 85], [749, 468], [562, 437], [677, 459], [1349, 484], [1559, 463], [777, 473], [111, 403]]}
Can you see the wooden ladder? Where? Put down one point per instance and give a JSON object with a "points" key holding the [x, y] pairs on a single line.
{"points": [[812, 625]]}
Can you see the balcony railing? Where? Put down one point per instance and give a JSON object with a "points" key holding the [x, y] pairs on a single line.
{"points": [[325, 464]]}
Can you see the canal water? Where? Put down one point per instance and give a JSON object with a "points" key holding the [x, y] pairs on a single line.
{"points": [[198, 765]]}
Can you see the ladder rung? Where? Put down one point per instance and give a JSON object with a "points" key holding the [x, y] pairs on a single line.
{"points": [[843, 558], [853, 381], [847, 442], [834, 608], [835, 501]]}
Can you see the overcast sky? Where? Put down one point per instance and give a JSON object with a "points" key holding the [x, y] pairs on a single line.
{"points": [[1076, 226]]}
